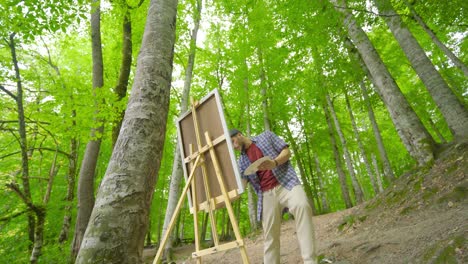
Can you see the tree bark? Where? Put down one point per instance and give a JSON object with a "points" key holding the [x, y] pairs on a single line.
{"points": [[119, 221], [349, 163], [338, 164], [88, 165], [453, 110], [414, 135]]}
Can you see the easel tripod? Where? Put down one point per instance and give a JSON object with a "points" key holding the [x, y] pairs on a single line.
{"points": [[196, 159]]}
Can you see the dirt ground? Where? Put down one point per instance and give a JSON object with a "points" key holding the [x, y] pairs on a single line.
{"points": [[422, 218]]}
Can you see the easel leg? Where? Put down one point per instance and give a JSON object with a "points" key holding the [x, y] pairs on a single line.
{"points": [[195, 210], [157, 259], [227, 201]]}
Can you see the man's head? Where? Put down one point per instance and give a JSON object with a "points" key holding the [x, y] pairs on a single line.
{"points": [[238, 140]]}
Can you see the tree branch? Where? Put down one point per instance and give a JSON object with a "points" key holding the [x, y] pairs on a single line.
{"points": [[42, 148], [15, 187], [9, 217], [8, 92]]}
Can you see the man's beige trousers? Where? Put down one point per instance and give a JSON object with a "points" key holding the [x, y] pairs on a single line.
{"points": [[296, 200]]}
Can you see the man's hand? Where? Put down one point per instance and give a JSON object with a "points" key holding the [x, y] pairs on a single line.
{"points": [[267, 165], [280, 159]]}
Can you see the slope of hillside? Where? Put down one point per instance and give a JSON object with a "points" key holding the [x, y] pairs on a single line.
{"points": [[422, 218]]}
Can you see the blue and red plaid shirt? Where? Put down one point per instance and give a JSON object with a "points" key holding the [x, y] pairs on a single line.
{"points": [[271, 145]]}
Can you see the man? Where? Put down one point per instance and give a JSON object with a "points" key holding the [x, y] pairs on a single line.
{"points": [[277, 186]]}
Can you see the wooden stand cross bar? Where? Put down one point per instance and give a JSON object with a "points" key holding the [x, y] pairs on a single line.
{"points": [[198, 156]]}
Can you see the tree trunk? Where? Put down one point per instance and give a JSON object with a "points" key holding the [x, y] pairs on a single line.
{"points": [[414, 135], [377, 172], [349, 163], [388, 172], [322, 194], [118, 224], [361, 146], [23, 142], [263, 85], [125, 66], [251, 201], [72, 163], [437, 131], [455, 60], [305, 183], [339, 166], [450, 106], [177, 172], [88, 165], [71, 177]]}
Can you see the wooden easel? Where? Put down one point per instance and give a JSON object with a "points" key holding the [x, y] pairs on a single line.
{"points": [[196, 160]]}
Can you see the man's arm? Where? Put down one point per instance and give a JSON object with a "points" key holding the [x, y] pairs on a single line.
{"points": [[283, 157]]}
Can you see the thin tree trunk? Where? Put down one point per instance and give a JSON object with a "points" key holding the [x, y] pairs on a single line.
{"points": [[388, 172], [377, 172], [71, 176], [361, 146], [414, 135], [72, 163], [252, 205], [88, 165], [455, 60], [263, 85], [303, 174], [437, 131], [125, 66], [322, 194], [338, 164], [119, 222], [356, 186], [453, 110], [24, 148], [177, 172]]}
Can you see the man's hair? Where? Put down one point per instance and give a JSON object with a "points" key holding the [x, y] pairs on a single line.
{"points": [[233, 132]]}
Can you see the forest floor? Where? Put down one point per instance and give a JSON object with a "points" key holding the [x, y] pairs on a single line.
{"points": [[422, 218]]}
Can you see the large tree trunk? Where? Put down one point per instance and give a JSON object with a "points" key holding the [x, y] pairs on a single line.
{"points": [[338, 164], [450, 106], [125, 66], [349, 163], [414, 135], [88, 165], [118, 224], [361, 146], [455, 60], [177, 172]]}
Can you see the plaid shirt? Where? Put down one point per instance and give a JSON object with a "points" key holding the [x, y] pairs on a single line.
{"points": [[270, 145]]}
